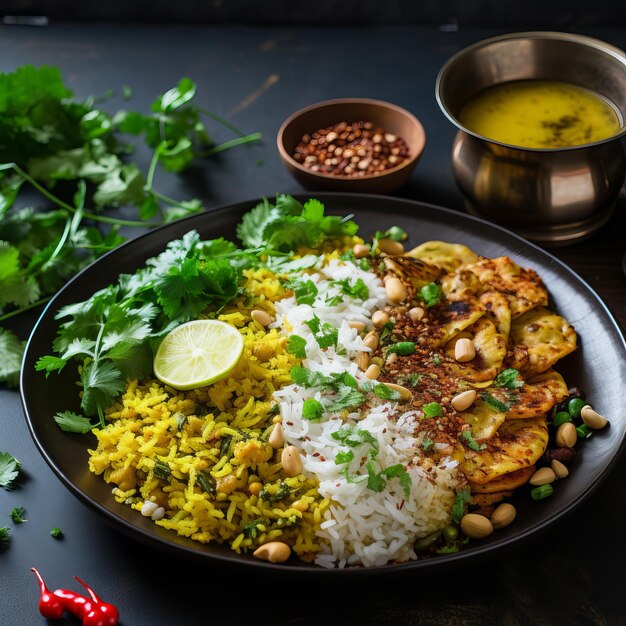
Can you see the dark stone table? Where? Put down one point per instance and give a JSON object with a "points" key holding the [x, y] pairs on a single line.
{"points": [[256, 76]]}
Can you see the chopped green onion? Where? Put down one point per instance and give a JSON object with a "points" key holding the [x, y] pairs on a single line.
{"points": [[450, 533], [583, 431], [404, 348]]}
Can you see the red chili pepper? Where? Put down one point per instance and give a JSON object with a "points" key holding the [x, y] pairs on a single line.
{"points": [[50, 605], [94, 612]]}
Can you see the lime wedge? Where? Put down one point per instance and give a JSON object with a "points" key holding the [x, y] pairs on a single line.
{"points": [[198, 353]]}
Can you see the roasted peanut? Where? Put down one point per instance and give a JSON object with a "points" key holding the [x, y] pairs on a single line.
{"points": [[274, 552], [464, 350], [592, 418], [416, 313], [380, 318], [405, 394], [476, 526], [390, 246], [277, 436], [358, 326], [559, 469], [371, 341], [543, 476], [566, 435], [292, 461], [503, 515], [360, 250], [396, 291], [463, 400], [372, 372], [261, 317], [362, 360]]}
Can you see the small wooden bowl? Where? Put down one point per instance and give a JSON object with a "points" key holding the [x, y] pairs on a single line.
{"points": [[390, 117]]}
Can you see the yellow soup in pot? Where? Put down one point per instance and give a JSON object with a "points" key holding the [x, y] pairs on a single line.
{"points": [[540, 114]]}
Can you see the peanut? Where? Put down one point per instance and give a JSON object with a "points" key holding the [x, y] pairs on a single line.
{"points": [[592, 418], [380, 318], [476, 526], [463, 400], [372, 372], [274, 552], [292, 461], [261, 317], [396, 291], [464, 350], [277, 436], [503, 515], [543, 476], [566, 435], [360, 250], [559, 469], [390, 246], [405, 394]]}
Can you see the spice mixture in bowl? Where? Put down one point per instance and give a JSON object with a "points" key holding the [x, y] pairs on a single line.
{"points": [[351, 145], [351, 149]]}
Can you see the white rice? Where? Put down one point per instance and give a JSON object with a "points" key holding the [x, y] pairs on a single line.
{"points": [[362, 526]]}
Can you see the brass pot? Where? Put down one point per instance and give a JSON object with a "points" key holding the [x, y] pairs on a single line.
{"points": [[552, 196]]}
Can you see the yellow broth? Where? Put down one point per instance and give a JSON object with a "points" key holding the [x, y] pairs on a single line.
{"points": [[540, 114]]}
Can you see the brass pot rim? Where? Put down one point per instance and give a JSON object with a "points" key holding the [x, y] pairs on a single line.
{"points": [[584, 40]]}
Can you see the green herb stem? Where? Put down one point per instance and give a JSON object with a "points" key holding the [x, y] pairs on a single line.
{"points": [[222, 121], [16, 312], [231, 144]]}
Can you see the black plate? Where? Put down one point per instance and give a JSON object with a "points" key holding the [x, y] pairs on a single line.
{"points": [[598, 366]]}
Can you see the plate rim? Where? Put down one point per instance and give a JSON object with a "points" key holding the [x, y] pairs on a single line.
{"points": [[480, 551]]}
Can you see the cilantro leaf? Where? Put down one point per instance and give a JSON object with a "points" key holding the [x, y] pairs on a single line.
{"points": [[307, 378], [102, 383], [297, 346], [5, 533], [508, 378], [431, 294], [432, 409], [9, 470], [12, 351], [356, 290], [72, 422], [394, 232], [304, 290], [288, 225], [458, 508], [56, 533], [312, 410], [472, 444], [353, 437], [427, 444], [346, 398], [325, 334], [376, 480], [344, 456], [386, 393], [17, 515], [494, 403]]}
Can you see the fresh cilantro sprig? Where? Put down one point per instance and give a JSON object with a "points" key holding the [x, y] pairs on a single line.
{"points": [[17, 515], [288, 225], [358, 289], [113, 331], [494, 403], [377, 480], [463, 496], [9, 470], [325, 334], [47, 136]]}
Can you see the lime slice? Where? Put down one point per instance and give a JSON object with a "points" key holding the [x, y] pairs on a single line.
{"points": [[198, 353]]}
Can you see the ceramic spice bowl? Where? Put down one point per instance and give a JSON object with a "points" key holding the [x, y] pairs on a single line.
{"points": [[355, 144]]}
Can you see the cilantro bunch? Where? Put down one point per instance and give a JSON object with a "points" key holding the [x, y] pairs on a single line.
{"points": [[76, 156], [113, 333]]}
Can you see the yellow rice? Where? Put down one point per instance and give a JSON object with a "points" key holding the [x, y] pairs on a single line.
{"points": [[215, 437]]}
